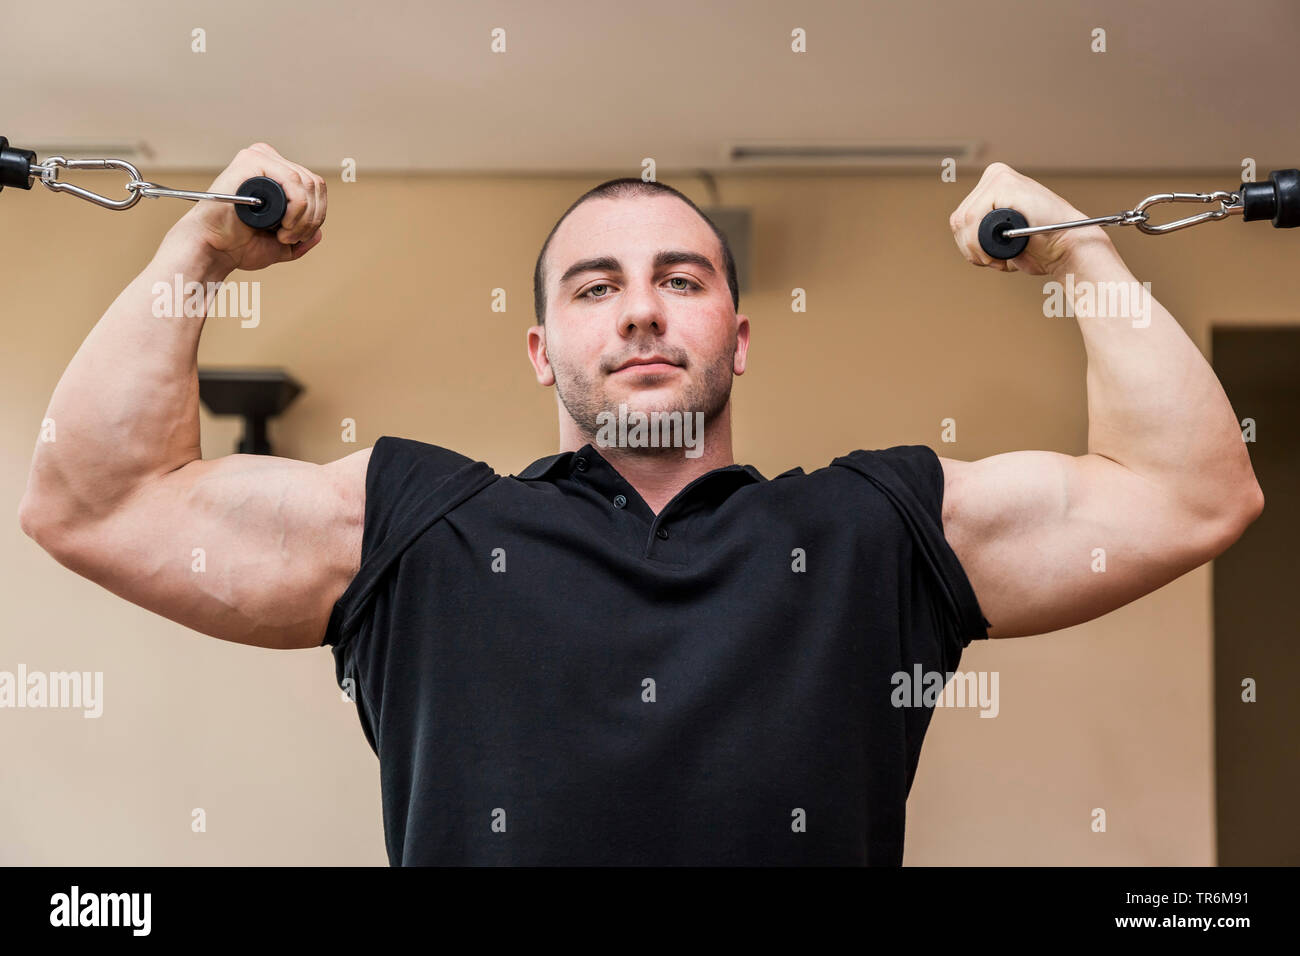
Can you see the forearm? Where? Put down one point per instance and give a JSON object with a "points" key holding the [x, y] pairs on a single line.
{"points": [[1154, 403], [126, 408]]}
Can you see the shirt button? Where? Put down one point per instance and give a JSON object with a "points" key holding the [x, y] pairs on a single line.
{"points": [[619, 501], [662, 533], [580, 464]]}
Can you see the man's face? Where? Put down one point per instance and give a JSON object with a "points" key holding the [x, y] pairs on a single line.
{"points": [[649, 283]]}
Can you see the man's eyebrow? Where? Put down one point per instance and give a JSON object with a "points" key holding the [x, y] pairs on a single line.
{"points": [[674, 257], [598, 264], [668, 257]]}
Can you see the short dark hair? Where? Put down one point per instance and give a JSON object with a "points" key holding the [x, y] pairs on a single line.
{"points": [[621, 189]]}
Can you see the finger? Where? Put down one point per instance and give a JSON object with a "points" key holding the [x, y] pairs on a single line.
{"points": [[1000, 265], [976, 196], [297, 250], [961, 228], [995, 170], [299, 195], [968, 240], [250, 161], [968, 217], [310, 243], [311, 217], [975, 199], [317, 185], [973, 244], [958, 218], [959, 238], [323, 195]]}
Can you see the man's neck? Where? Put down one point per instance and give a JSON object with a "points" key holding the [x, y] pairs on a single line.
{"points": [[658, 474]]}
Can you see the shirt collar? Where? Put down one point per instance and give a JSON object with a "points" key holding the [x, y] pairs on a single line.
{"points": [[563, 464]]}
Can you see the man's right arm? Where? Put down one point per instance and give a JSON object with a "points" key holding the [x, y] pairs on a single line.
{"points": [[246, 548]]}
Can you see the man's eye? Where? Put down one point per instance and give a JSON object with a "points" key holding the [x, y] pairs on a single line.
{"points": [[591, 293]]}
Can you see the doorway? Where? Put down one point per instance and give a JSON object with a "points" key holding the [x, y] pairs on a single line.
{"points": [[1256, 625]]}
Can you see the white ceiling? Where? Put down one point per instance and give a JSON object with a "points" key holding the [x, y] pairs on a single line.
{"points": [[597, 86]]}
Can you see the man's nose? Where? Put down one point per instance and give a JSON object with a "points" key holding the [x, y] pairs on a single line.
{"points": [[642, 311]]}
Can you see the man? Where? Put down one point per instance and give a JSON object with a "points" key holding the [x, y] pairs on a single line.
{"points": [[633, 652]]}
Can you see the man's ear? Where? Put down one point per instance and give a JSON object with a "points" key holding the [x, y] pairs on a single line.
{"points": [[742, 344], [537, 355]]}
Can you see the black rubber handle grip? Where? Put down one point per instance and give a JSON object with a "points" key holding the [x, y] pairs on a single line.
{"points": [[1278, 199], [991, 228], [268, 215], [15, 165]]}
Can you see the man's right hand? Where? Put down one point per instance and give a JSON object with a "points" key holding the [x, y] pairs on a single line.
{"points": [[212, 230]]}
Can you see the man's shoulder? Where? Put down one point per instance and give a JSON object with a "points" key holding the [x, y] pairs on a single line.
{"points": [[870, 481], [394, 453], [912, 464]]}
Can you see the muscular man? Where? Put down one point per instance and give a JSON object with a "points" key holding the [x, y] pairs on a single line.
{"points": [[630, 653]]}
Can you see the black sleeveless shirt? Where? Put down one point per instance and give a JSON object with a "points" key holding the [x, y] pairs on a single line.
{"points": [[552, 674]]}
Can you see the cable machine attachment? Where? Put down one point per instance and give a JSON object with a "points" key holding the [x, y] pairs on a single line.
{"points": [[1004, 233], [259, 202]]}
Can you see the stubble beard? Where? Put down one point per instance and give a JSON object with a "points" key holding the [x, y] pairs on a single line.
{"points": [[585, 400]]}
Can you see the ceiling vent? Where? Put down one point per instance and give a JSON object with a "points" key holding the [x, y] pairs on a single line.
{"points": [[89, 149], [909, 154]]}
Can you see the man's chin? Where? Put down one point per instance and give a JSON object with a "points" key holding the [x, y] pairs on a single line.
{"points": [[646, 401]]}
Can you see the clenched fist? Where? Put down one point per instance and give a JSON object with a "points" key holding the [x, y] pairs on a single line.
{"points": [[211, 228], [1048, 252]]}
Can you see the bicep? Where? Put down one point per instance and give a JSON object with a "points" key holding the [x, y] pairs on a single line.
{"points": [[1051, 540], [247, 548]]}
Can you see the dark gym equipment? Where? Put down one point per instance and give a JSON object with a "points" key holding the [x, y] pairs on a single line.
{"points": [[257, 394], [270, 212], [1277, 200], [15, 166], [992, 239]]}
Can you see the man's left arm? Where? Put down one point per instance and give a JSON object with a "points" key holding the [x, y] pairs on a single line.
{"points": [[1050, 540]]}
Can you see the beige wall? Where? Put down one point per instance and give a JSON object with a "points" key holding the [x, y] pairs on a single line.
{"points": [[388, 322]]}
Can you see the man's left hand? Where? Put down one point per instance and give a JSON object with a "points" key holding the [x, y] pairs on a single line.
{"points": [[1048, 252]]}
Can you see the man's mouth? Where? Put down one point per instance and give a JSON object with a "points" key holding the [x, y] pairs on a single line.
{"points": [[646, 364]]}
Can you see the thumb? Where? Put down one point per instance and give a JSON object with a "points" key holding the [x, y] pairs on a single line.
{"points": [[300, 249]]}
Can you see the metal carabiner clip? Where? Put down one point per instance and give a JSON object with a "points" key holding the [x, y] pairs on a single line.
{"points": [[1229, 205], [260, 201], [49, 173]]}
